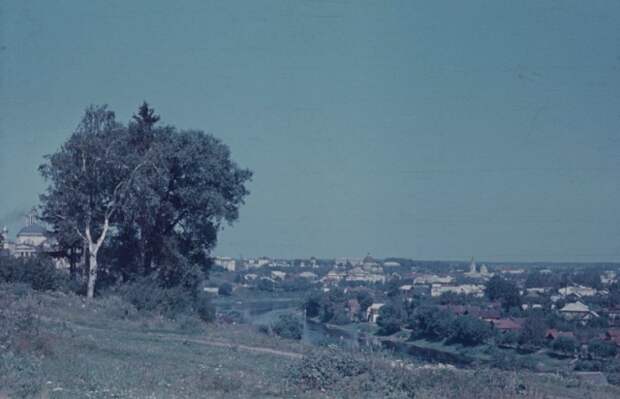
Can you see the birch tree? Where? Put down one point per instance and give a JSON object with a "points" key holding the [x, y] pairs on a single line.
{"points": [[89, 180]]}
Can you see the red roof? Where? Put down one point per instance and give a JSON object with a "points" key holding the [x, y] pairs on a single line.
{"points": [[506, 324], [613, 334]]}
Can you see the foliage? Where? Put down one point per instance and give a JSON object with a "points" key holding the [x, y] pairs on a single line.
{"points": [[225, 289], [313, 304], [602, 348], [469, 331], [564, 344], [506, 291], [148, 294], [265, 284], [389, 319], [533, 332], [288, 326], [431, 322], [161, 194], [364, 299], [38, 272], [296, 284], [507, 338]]}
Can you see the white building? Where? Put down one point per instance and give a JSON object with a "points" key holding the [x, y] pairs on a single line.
{"points": [[227, 263], [372, 312], [466, 289]]}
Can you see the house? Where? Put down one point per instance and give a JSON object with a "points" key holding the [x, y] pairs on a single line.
{"points": [[308, 275], [429, 279], [406, 289], [613, 335], [227, 263], [577, 311], [278, 275], [613, 314], [466, 289], [363, 274], [507, 324], [372, 313], [257, 263], [211, 290], [577, 290], [333, 276]]}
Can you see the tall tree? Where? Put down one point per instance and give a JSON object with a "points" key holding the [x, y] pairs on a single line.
{"points": [[89, 179], [179, 205]]}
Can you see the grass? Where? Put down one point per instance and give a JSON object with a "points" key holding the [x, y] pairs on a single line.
{"points": [[57, 345]]}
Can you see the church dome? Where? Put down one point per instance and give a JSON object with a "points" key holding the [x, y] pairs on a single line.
{"points": [[32, 230]]}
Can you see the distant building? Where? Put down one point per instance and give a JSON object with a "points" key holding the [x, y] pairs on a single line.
{"points": [[391, 264], [30, 240], [429, 279], [507, 325], [278, 275], [372, 313], [308, 275], [475, 272], [579, 290], [257, 263], [466, 289], [577, 311], [227, 263]]}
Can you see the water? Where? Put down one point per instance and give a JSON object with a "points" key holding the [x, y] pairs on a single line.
{"points": [[267, 312]]}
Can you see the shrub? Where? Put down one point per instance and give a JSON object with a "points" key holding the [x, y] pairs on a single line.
{"points": [[602, 348], [431, 322], [469, 331], [147, 294], [388, 320], [265, 284], [225, 289], [204, 308], [288, 326], [39, 272], [564, 345]]}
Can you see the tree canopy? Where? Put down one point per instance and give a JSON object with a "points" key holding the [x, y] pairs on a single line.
{"points": [[155, 196]]}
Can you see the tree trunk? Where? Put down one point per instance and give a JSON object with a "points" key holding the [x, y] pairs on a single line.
{"points": [[92, 271], [72, 271]]}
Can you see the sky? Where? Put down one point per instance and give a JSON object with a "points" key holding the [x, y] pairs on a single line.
{"points": [[420, 129]]}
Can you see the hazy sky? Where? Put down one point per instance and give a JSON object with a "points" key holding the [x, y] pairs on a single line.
{"points": [[432, 130]]}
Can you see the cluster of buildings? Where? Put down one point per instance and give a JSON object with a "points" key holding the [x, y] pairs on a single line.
{"points": [[30, 240]]}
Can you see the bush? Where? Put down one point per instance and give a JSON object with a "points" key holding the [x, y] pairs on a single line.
{"points": [[225, 289], [147, 294], [469, 331], [388, 320], [204, 308], [39, 272], [431, 322], [288, 326], [602, 348], [265, 284], [565, 345]]}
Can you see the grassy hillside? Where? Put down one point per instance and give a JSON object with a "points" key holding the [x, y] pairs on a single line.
{"points": [[56, 345]]}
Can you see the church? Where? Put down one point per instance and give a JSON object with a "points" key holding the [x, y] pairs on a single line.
{"points": [[31, 239]]}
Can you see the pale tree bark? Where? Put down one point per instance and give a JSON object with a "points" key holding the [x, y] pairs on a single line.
{"points": [[93, 249]]}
